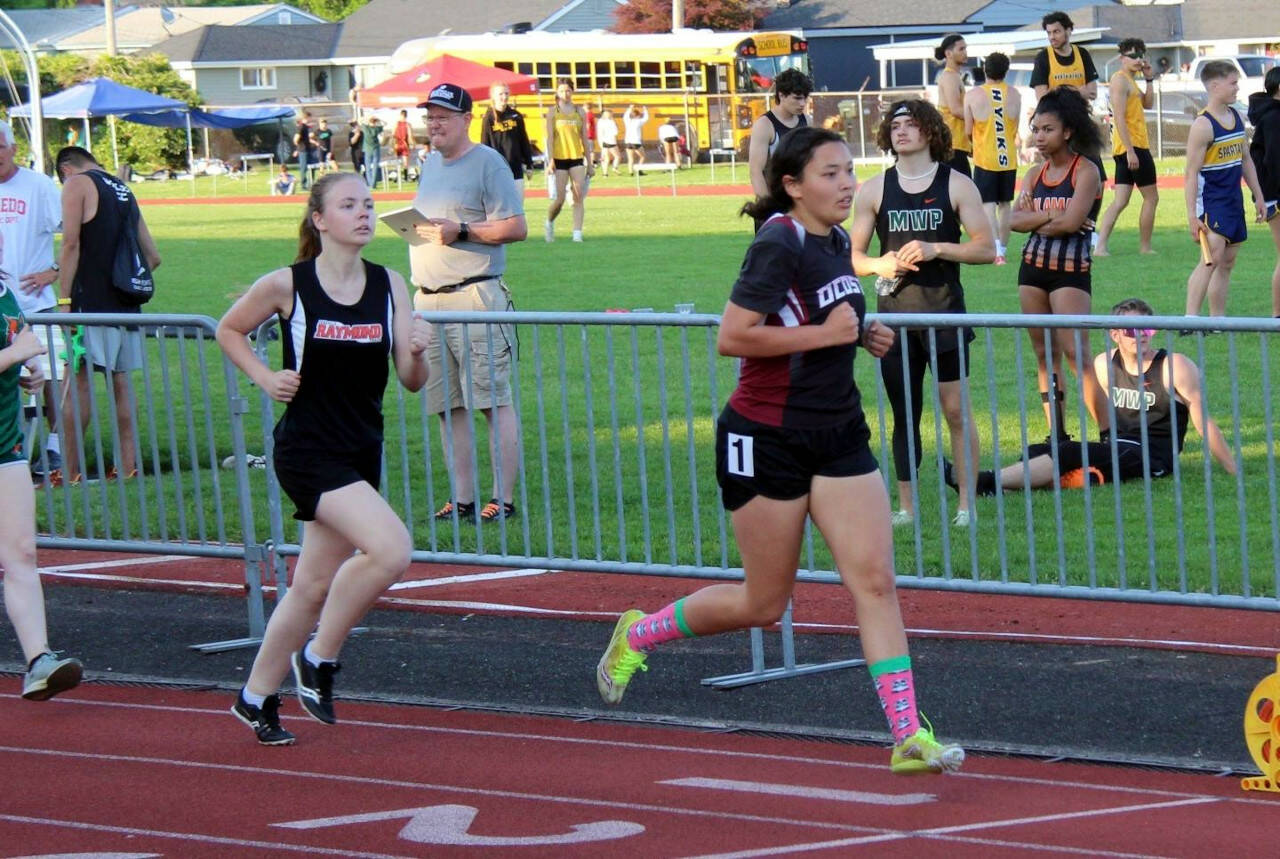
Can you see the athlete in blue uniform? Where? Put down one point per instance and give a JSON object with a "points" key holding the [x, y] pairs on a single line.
{"points": [[793, 443], [1217, 158], [342, 317]]}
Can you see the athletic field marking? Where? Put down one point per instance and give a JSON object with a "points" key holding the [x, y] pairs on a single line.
{"points": [[195, 836], [943, 831], [140, 580], [340, 778], [467, 578], [804, 792], [451, 824], [121, 562], [723, 753]]}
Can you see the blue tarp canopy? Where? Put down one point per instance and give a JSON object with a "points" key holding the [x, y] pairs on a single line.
{"points": [[100, 97], [233, 117]]}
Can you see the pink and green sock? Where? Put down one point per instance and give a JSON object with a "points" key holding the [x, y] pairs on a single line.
{"points": [[663, 625], [897, 690]]}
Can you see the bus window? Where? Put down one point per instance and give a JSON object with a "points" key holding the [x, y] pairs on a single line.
{"points": [[582, 76], [543, 74], [718, 80], [604, 75], [673, 79], [756, 75], [650, 76], [564, 70], [624, 74], [506, 67], [525, 69]]}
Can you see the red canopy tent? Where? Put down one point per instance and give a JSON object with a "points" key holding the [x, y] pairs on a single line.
{"points": [[409, 89]]}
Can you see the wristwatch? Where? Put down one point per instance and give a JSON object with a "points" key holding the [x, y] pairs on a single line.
{"points": [[464, 232], [55, 266]]}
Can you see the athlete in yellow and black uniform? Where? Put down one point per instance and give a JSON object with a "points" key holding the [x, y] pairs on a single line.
{"points": [[953, 53], [1134, 164], [991, 114]]}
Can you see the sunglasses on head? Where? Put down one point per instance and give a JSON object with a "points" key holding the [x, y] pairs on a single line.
{"points": [[1134, 332]]}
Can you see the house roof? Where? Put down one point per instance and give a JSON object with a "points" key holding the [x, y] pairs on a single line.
{"points": [[142, 27], [253, 43], [44, 27], [377, 29], [836, 14]]}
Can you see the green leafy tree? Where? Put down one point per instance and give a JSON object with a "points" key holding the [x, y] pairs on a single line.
{"points": [[654, 16], [330, 10]]}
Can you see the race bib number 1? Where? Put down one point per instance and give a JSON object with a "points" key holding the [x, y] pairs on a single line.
{"points": [[740, 455]]}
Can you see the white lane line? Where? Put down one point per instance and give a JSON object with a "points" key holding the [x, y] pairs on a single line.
{"points": [[804, 792], [195, 836], [732, 754], [499, 607], [940, 832], [143, 580], [994, 635], [467, 578], [121, 562], [257, 773]]}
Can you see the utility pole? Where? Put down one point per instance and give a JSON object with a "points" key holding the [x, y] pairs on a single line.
{"points": [[109, 6], [677, 15]]}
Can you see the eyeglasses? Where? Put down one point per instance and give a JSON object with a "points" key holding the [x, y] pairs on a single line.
{"points": [[1134, 332], [1135, 55]]}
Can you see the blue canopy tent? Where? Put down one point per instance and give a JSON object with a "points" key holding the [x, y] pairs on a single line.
{"points": [[100, 97], [230, 117]]}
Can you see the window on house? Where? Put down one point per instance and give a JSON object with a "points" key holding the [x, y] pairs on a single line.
{"points": [[259, 78]]}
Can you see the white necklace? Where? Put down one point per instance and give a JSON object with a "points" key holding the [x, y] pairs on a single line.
{"points": [[928, 172]]}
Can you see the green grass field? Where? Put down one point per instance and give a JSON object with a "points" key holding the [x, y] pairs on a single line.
{"points": [[586, 494]]}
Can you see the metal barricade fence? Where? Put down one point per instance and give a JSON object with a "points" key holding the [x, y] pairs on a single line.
{"points": [[615, 468], [184, 406]]}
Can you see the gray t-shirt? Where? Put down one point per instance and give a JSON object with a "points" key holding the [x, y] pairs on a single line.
{"points": [[475, 187]]}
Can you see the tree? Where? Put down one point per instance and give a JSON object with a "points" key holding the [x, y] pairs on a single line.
{"points": [[330, 10], [654, 16]]}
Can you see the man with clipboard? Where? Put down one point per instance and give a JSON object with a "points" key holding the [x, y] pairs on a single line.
{"points": [[471, 209]]}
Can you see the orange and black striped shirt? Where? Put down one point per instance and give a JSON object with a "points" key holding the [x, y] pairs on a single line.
{"points": [[1068, 253]]}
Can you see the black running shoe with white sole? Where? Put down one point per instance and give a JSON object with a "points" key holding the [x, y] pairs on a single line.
{"points": [[264, 720], [315, 687]]}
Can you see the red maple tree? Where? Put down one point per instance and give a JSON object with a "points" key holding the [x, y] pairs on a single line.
{"points": [[654, 16]]}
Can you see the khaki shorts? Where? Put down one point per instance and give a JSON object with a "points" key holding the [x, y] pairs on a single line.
{"points": [[478, 377], [112, 349]]}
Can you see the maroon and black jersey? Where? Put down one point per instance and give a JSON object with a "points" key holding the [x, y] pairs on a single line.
{"points": [[795, 278]]}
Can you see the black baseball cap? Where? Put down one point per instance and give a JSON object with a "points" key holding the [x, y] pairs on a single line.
{"points": [[450, 96]]}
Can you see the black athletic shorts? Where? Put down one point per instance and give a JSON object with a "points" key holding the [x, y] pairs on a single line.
{"points": [[305, 475], [951, 361], [1128, 457], [995, 186], [567, 163], [1049, 280], [780, 462], [960, 162], [1142, 177]]}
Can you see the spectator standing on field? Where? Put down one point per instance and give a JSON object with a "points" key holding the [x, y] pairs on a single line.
{"points": [[473, 211], [791, 89], [95, 205], [30, 215], [991, 114], [503, 129], [355, 142], [953, 53], [1264, 113], [302, 146]]}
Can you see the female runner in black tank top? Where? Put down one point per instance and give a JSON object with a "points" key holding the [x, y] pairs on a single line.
{"points": [[917, 208], [793, 443], [342, 317], [1059, 200]]}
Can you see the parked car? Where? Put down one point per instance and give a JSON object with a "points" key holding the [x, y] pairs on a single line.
{"points": [[1252, 68], [1174, 112]]}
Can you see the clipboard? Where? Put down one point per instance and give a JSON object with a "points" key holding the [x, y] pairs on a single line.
{"points": [[403, 221]]}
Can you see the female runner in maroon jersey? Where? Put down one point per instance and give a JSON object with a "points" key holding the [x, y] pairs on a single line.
{"points": [[793, 443]]}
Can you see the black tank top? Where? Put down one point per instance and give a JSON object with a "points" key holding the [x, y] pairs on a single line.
{"points": [[927, 216], [92, 292], [779, 129], [341, 353], [1163, 410]]}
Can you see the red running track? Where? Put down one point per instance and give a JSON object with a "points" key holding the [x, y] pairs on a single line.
{"points": [[163, 772]]}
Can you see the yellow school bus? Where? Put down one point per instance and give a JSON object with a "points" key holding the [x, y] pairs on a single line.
{"points": [[711, 86]]}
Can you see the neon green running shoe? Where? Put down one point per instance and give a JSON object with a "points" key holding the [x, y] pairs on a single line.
{"points": [[619, 661], [921, 754]]}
